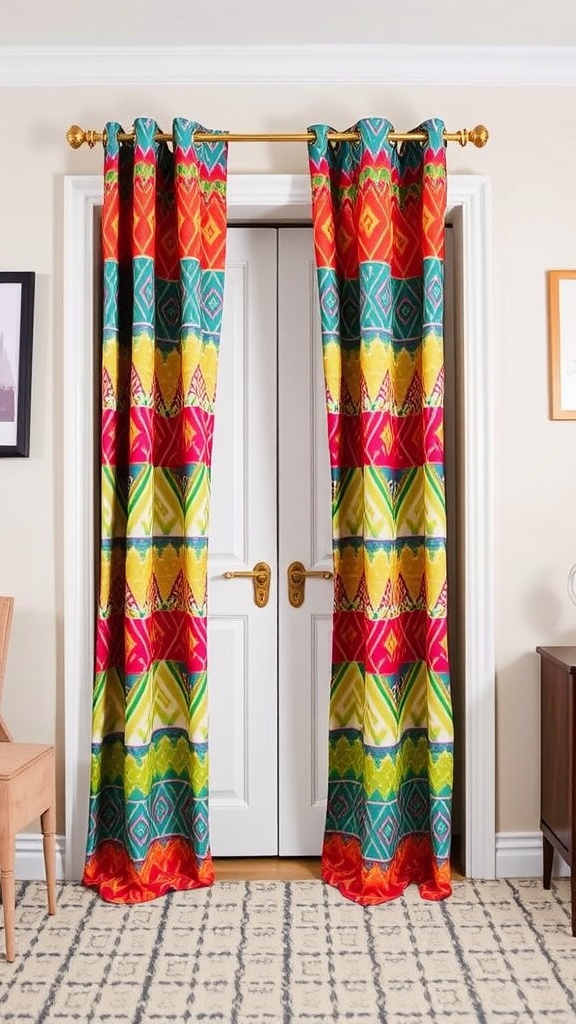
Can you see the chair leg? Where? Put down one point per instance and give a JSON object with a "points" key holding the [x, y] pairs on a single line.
{"points": [[7, 846], [48, 825]]}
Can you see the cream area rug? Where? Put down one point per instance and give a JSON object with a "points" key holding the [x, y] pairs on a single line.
{"points": [[294, 953]]}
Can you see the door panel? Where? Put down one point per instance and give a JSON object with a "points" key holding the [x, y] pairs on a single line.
{"points": [[269, 668], [242, 638], [304, 523], [321, 674], [228, 727]]}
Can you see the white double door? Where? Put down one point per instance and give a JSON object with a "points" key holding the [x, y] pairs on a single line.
{"points": [[269, 663]]}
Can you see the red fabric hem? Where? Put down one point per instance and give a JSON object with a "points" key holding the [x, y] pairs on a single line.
{"points": [[169, 866], [344, 868]]}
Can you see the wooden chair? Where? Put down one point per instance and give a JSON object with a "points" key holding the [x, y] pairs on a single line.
{"points": [[27, 791]]}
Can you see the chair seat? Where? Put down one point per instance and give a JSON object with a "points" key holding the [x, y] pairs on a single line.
{"points": [[26, 785], [27, 791], [16, 757]]}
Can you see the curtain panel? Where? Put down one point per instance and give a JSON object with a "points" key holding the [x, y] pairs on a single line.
{"points": [[164, 242], [378, 216]]}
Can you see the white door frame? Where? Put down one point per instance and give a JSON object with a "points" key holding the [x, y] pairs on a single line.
{"points": [[285, 198]]}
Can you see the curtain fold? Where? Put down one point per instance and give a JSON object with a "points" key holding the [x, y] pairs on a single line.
{"points": [[378, 216], [164, 239]]}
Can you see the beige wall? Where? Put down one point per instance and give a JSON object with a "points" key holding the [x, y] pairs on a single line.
{"points": [[530, 159]]}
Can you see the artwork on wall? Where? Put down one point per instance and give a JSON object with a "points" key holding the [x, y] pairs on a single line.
{"points": [[562, 319], [16, 330]]}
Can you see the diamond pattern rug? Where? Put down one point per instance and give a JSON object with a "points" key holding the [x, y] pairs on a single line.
{"points": [[294, 952]]}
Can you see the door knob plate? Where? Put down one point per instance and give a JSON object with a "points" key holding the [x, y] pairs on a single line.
{"points": [[260, 575], [297, 576]]}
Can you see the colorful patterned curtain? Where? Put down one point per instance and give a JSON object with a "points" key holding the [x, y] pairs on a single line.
{"points": [[378, 212], [164, 238]]}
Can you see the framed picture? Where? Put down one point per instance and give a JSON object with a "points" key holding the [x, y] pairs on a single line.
{"points": [[562, 320], [16, 329]]}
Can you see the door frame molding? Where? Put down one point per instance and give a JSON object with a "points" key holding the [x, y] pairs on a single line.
{"points": [[285, 198]]}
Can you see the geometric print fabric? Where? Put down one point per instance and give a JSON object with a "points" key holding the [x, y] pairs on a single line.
{"points": [[378, 217], [164, 241]]}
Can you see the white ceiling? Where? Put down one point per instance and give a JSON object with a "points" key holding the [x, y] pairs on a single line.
{"points": [[227, 22]]}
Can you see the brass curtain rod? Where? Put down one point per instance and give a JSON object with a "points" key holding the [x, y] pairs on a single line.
{"points": [[478, 136]]}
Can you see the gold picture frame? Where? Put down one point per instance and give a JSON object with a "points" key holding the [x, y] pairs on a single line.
{"points": [[562, 342]]}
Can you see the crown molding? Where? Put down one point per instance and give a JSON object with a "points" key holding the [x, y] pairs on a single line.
{"points": [[307, 64]]}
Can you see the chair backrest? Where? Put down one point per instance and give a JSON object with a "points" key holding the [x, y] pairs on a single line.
{"points": [[6, 609]]}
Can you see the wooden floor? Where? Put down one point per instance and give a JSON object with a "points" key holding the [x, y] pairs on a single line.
{"points": [[248, 869], [284, 869]]}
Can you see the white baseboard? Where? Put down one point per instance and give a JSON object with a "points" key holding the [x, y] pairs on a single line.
{"points": [[519, 855], [29, 864]]}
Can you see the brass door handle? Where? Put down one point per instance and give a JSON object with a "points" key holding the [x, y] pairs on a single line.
{"points": [[261, 574], [297, 576]]}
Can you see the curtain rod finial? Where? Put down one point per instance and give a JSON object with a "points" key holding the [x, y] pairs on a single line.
{"points": [[479, 136], [75, 136]]}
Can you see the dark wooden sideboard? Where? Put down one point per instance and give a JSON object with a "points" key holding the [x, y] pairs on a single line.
{"points": [[558, 761]]}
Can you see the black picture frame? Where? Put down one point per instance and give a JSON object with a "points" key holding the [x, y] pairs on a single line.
{"points": [[16, 334]]}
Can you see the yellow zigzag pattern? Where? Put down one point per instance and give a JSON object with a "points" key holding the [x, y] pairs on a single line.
{"points": [[369, 503], [347, 696], [440, 725], [199, 354], [168, 757], [172, 707], [108, 705], [382, 776], [365, 702], [160, 565], [375, 361], [417, 572]]}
